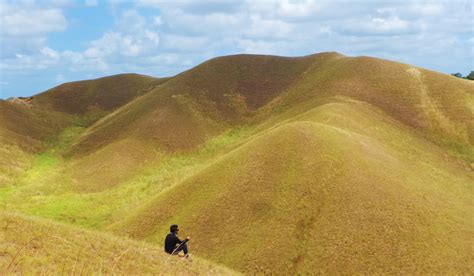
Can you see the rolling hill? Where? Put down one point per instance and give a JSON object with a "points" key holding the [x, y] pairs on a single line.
{"points": [[340, 184], [323, 163], [30, 120], [38, 123]]}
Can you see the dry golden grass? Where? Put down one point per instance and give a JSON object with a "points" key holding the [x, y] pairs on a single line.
{"points": [[76, 103], [339, 189], [187, 110], [104, 94], [37, 246]]}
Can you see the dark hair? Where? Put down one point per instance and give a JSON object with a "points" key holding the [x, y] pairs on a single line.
{"points": [[173, 228]]}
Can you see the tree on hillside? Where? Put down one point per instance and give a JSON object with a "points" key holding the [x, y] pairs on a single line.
{"points": [[470, 76]]}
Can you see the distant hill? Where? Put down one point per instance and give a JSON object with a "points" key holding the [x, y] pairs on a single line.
{"points": [[105, 94], [42, 116], [226, 91], [294, 164]]}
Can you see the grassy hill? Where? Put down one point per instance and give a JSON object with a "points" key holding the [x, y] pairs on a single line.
{"points": [[30, 245], [224, 92], [52, 119], [35, 119], [198, 104], [105, 94], [295, 164], [340, 184], [437, 105]]}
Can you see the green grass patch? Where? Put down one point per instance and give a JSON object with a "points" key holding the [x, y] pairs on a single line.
{"points": [[44, 189]]}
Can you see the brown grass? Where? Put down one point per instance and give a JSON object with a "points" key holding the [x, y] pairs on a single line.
{"points": [[106, 93], [340, 189], [35, 246], [224, 92]]}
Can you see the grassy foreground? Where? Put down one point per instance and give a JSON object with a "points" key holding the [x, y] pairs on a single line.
{"points": [[37, 246]]}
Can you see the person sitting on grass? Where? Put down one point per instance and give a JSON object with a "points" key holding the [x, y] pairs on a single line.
{"points": [[173, 245]]}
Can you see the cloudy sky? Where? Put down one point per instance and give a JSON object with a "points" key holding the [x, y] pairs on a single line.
{"points": [[45, 43]]}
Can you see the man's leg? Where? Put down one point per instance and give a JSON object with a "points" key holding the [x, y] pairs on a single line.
{"points": [[183, 248]]}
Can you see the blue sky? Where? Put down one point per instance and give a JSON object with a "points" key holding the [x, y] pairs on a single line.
{"points": [[45, 43]]}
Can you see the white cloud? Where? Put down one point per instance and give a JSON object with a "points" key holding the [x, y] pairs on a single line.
{"points": [[50, 53], [297, 8], [25, 27], [157, 21], [426, 9], [60, 78], [285, 9], [217, 23], [19, 21], [267, 28], [250, 46], [115, 44], [388, 24], [131, 39], [91, 3], [131, 21], [185, 43]]}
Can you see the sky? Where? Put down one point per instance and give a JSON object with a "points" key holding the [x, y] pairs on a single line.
{"points": [[46, 43]]}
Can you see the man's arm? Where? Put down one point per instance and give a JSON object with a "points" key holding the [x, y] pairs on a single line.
{"points": [[177, 240], [181, 241]]}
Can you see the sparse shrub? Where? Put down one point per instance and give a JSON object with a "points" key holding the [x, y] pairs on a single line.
{"points": [[470, 76]]}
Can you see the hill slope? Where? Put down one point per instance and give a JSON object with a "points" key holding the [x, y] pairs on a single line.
{"points": [[188, 110], [38, 246], [221, 93], [32, 120], [106, 94], [437, 105], [198, 104], [341, 184], [39, 123]]}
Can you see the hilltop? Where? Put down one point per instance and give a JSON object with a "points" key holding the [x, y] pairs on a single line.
{"points": [[43, 115], [293, 163], [38, 123]]}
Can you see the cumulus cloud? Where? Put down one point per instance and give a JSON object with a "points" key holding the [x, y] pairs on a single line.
{"points": [[157, 20], [285, 8], [17, 22], [91, 3], [132, 38], [25, 27], [50, 53], [267, 28], [380, 26]]}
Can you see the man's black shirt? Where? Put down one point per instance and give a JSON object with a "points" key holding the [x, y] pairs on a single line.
{"points": [[171, 242]]}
